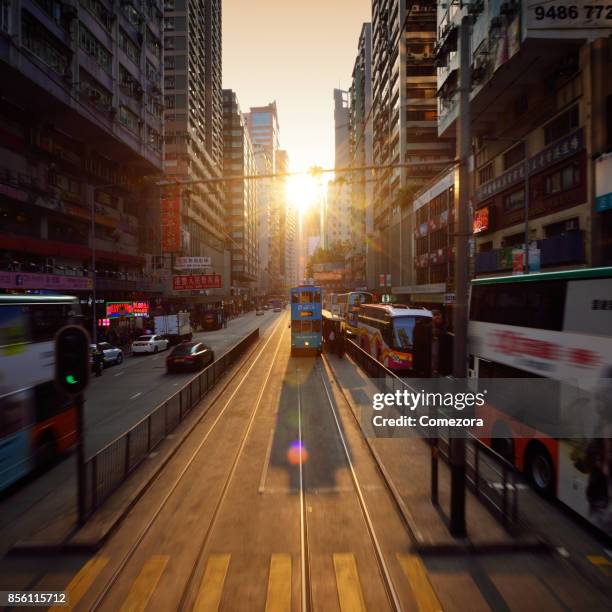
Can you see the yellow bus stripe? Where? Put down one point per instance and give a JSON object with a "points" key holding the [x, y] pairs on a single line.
{"points": [[278, 598], [211, 587], [350, 595], [145, 584], [425, 596], [81, 582]]}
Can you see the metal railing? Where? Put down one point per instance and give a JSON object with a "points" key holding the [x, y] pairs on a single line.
{"points": [[109, 467], [491, 477]]}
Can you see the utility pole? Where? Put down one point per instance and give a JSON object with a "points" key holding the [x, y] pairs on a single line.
{"points": [[462, 233]]}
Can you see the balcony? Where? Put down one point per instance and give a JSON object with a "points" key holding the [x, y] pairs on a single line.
{"points": [[561, 250]]}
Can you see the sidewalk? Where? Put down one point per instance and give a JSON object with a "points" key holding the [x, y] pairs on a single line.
{"points": [[405, 464]]}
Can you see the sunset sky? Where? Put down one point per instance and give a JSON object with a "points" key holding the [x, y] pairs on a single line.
{"points": [[295, 53]]}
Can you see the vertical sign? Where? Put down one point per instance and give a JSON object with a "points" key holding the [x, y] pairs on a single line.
{"points": [[171, 219], [518, 261]]}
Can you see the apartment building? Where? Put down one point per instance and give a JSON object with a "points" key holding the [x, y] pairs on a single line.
{"points": [[80, 128], [240, 197], [194, 138], [541, 108]]}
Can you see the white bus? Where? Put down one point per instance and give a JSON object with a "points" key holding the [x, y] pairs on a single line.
{"points": [[37, 421], [555, 326], [398, 336]]}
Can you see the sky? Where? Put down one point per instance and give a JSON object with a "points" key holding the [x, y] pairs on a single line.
{"points": [[295, 53]]}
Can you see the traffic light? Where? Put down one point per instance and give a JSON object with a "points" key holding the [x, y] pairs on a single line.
{"points": [[72, 359]]}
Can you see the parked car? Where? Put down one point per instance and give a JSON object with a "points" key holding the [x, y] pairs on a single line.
{"points": [[151, 343], [260, 311], [189, 356], [111, 355]]}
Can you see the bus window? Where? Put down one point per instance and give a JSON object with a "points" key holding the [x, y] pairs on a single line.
{"points": [[296, 326], [305, 297], [46, 320], [403, 333], [316, 297]]}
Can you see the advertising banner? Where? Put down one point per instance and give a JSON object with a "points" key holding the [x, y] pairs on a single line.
{"points": [[193, 282], [192, 263]]}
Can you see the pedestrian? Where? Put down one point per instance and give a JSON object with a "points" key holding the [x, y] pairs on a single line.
{"points": [[224, 318], [331, 340], [341, 345], [98, 360]]}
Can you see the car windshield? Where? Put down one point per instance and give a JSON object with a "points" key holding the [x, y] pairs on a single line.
{"points": [[145, 338], [403, 331], [184, 349]]}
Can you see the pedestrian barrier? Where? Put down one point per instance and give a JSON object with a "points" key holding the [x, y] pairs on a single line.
{"points": [[108, 468], [491, 477]]}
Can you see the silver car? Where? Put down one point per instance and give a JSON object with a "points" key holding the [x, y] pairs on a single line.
{"points": [[111, 355]]}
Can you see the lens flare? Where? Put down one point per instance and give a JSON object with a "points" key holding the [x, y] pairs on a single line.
{"points": [[297, 454]]}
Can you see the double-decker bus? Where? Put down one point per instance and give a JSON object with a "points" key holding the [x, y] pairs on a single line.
{"points": [[398, 336], [347, 306], [306, 319], [555, 326], [37, 421]]}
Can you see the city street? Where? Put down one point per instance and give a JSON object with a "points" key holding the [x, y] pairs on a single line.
{"points": [[116, 401], [274, 502]]}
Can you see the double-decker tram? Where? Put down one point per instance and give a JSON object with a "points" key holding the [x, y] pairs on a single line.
{"points": [[37, 420], [306, 320], [398, 336], [347, 306], [555, 329]]}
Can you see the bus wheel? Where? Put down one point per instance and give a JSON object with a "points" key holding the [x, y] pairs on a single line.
{"points": [[46, 451], [540, 469]]}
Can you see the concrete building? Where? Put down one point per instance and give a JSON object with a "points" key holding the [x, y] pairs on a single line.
{"points": [[406, 143], [81, 125], [194, 134], [361, 257], [542, 114], [264, 164], [240, 198], [262, 122], [287, 214]]}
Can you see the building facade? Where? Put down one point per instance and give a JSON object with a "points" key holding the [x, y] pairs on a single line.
{"points": [[541, 108], [80, 128], [361, 258], [194, 140], [240, 198]]}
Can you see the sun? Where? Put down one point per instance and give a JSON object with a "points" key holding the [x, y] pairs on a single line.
{"points": [[302, 190]]}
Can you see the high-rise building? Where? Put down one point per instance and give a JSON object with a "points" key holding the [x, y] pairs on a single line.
{"points": [[240, 197], [194, 130], [287, 215], [338, 206], [406, 144], [264, 164], [81, 128], [361, 257], [262, 122]]}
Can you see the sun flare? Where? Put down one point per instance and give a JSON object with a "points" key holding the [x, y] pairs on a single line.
{"points": [[302, 190]]}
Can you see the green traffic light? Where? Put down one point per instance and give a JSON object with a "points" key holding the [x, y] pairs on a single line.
{"points": [[71, 380]]}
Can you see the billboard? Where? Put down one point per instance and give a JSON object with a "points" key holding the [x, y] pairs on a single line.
{"points": [[194, 282], [588, 19]]}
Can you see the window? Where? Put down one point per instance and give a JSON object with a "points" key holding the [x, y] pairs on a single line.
{"points": [[514, 155], [154, 139], [562, 125], [5, 16], [154, 45], [131, 14], [485, 174], [98, 10], [562, 227], [128, 119], [38, 41], [526, 304], [128, 46], [153, 73], [514, 201], [513, 240], [561, 180], [93, 47], [93, 92]]}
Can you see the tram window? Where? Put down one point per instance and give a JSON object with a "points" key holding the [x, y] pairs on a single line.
{"points": [[294, 298], [296, 326], [316, 326], [305, 297], [306, 326], [316, 297]]}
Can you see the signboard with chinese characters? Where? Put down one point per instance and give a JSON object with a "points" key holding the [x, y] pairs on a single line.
{"points": [[32, 280], [556, 152], [192, 263], [140, 309], [327, 276], [170, 213], [481, 220], [116, 310], [193, 282], [574, 19]]}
